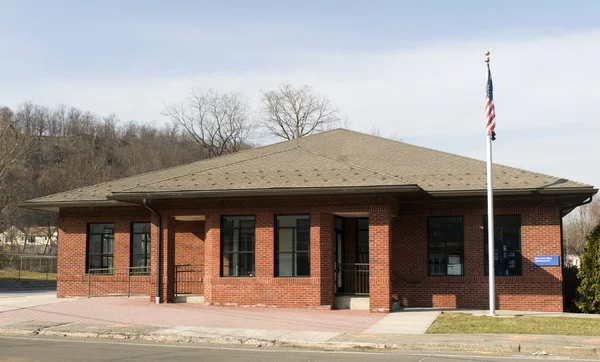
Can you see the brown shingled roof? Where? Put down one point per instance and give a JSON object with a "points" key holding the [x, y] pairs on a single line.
{"points": [[334, 159]]}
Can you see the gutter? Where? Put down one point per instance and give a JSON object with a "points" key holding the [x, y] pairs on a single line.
{"points": [[145, 202], [571, 207], [516, 192], [54, 206]]}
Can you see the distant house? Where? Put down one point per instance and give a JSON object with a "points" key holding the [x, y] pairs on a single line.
{"points": [[12, 236], [310, 222], [29, 236], [41, 235], [573, 260]]}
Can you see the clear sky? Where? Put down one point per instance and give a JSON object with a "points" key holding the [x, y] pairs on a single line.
{"points": [[411, 68]]}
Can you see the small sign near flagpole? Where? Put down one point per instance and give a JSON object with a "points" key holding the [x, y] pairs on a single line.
{"points": [[490, 115]]}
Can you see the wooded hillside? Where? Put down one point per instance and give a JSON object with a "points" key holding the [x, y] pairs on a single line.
{"points": [[48, 150]]}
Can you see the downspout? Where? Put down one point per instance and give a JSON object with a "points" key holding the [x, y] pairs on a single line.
{"points": [[562, 244], [157, 249]]}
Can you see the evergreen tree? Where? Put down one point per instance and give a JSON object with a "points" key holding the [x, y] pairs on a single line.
{"points": [[588, 300]]}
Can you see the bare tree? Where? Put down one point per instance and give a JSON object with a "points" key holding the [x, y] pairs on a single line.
{"points": [[13, 146], [376, 132], [292, 112], [219, 122], [577, 226]]}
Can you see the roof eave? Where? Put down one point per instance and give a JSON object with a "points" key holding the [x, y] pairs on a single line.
{"points": [[585, 190], [131, 196], [127, 198], [55, 206]]}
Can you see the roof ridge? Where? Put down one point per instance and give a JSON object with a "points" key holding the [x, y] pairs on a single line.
{"points": [[356, 166], [217, 166], [493, 163], [460, 156], [297, 140], [159, 170]]}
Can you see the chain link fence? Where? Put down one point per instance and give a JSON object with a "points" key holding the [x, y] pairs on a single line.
{"points": [[22, 268]]}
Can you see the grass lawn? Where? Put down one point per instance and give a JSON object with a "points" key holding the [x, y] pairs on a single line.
{"points": [[467, 323], [10, 273]]}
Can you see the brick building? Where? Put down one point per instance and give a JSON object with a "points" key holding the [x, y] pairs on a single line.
{"points": [[305, 223]]}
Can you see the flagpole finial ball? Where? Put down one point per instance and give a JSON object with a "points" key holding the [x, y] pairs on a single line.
{"points": [[487, 53]]}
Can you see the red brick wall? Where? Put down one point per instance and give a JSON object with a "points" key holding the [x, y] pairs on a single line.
{"points": [[398, 252], [539, 288], [316, 291], [189, 249], [266, 289], [72, 279]]}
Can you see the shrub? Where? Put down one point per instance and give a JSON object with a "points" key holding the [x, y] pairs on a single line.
{"points": [[588, 300]]}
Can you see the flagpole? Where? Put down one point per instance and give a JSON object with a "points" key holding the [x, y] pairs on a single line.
{"points": [[490, 213]]}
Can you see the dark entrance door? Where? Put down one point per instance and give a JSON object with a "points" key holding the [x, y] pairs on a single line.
{"points": [[352, 256], [339, 254]]}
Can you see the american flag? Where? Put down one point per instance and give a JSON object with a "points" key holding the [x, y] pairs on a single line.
{"points": [[490, 110]]}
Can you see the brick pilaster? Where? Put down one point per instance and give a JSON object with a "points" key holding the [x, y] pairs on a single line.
{"points": [[379, 261], [212, 254], [167, 263], [322, 243]]}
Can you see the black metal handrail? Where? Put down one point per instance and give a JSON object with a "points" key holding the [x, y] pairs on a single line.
{"points": [[354, 278], [188, 278]]}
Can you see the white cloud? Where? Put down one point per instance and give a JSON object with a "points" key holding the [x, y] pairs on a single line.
{"points": [[437, 88]]}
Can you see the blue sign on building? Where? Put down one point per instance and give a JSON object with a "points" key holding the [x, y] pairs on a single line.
{"points": [[547, 260]]}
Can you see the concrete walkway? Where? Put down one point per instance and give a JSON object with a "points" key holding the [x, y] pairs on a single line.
{"points": [[405, 321], [23, 299]]}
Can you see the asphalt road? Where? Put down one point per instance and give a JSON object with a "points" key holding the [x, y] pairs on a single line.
{"points": [[42, 349]]}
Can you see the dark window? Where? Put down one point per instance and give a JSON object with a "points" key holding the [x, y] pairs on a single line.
{"points": [[237, 246], [140, 247], [339, 240], [339, 224], [507, 245], [292, 245], [100, 246], [362, 240], [446, 245]]}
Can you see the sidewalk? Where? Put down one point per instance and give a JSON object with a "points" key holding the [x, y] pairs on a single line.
{"points": [[484, 343], [137, 319]]}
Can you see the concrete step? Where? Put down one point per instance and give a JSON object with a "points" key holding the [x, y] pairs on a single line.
{"points": [[189, 299], [352, 302]]}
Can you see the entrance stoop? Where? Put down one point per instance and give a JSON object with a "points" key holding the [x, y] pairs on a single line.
{"points": [[189, 299], [352, 302]]}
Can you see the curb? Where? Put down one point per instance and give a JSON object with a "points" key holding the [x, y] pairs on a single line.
{"points": [[514, 348]]}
